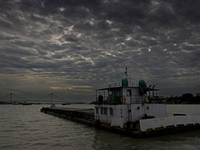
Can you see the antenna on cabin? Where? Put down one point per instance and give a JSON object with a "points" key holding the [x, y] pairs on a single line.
{"points": [[126, 72]]}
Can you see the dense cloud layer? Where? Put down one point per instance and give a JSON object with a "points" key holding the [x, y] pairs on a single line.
{"points": [[71, 48]]}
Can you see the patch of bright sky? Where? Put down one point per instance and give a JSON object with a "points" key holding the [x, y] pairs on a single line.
{"points": [[60, 51], [109, 22], [55, 39], [88, 59], [78, 35], [61, 9], [107, 53], [3, 17], [49, 54], [191, 44], [42, 4], [42, 27], [22, 37], [71, 87], [154, 6], [77, 62], [20, 15], [85, 9], [67, 58], [7, 34], [145, 37], [92, 21], [57, 88], [82, 86], [128, 37], [38, 16], [115, 29], [186, 51], [68, 30]]}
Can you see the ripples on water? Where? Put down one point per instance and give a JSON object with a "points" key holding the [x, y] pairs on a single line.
{"points": [[25, 127]]}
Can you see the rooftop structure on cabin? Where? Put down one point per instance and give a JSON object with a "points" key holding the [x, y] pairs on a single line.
{"points": [[126, 93]]}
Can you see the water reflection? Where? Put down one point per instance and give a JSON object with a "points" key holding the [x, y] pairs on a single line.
{"points": [[107, 140]]}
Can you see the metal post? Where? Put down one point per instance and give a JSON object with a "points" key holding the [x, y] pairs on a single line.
{"points": [[96, 96], [126, 72], [153, 91], [104, 95], [149, 92], [51, 97]]}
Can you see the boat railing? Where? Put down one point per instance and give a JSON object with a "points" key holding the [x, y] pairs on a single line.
{"points": [[134, 99], [114, 85], [130, 84]]}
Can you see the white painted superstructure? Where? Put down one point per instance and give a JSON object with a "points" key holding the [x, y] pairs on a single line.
{"points": [[165, 122], [134, 108], [117, 115], [123, 104]]}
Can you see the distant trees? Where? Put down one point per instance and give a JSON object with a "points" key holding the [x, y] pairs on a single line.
{"points": [[186, 98]]}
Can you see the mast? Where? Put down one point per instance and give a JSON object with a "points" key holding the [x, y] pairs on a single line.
{"points": [[126, 72], [51, 97]]}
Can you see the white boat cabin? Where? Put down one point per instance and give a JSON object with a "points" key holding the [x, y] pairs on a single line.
{"points": [[121, 104]]}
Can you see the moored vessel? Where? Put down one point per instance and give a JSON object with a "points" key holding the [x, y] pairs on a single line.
{"points": [[132, 108]]}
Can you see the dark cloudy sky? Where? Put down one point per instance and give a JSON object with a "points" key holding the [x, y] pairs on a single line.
{"points": [[72, 47]]}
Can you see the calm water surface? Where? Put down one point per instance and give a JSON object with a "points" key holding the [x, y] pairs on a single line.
{"points": [[25, 127]]}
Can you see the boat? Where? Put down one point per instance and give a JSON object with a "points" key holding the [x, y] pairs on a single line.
{"points": [[67, 103], [25, 103], [136, 110], [130, 109]]}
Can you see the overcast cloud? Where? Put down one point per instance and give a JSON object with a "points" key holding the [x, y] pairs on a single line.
{"points": [[73, 47]]}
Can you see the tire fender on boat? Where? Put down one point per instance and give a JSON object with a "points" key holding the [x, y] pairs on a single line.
{"points": [[123, 100], [110, 99]]}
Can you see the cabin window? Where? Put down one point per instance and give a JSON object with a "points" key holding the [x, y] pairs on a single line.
{"points": [[105, 111], [111, 112], [110, 93], [97, 110], [102, 111], [129, 93], [118, 92]]}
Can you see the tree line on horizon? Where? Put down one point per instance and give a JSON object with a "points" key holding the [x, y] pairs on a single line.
{"points": [[186, 98]]}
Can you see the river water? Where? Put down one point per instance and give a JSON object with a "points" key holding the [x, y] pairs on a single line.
{"points": [[26, 128]]}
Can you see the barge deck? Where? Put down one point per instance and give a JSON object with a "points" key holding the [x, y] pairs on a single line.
{"points": [[77, 114]]}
